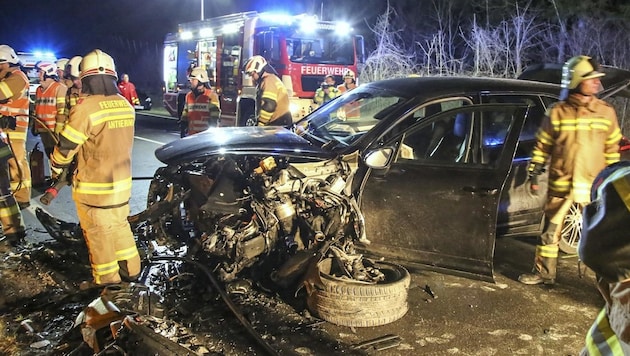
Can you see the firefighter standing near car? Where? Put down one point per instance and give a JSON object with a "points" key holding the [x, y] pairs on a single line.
{"points": [[201, 109], [326, 92], [351, 110], [272, 98], [13, 107], [73, 81], [605, 248], [14, 103], [579, 136], [50, 106], [128, 90], [99, 137]]}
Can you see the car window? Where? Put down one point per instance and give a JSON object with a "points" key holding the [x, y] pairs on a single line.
{"points": [[442, 140], [537, 109]]}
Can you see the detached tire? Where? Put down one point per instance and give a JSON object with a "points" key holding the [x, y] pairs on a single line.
{"points": [[350, 303]]}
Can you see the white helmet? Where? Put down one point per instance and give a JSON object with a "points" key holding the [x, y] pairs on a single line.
{"points": [[98, 62], [255, 64], [72, 68], [200, 74], [348, 74], [49, 68], [7, 54], [61, 63]]}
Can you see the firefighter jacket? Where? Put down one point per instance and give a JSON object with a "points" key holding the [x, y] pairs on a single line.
{"points": [[99, 135], [72, 96], [579, 140], [322, 97], [201, 110], [50, 107], [351, 110], [128, 90], [272, 102], [14, 101]]}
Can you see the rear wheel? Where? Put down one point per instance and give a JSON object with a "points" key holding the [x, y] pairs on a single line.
{"points": [[347, 302], [571, 230]]}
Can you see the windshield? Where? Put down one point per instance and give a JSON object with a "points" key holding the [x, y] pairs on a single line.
{"points": [[323, 47], [345, 119]]}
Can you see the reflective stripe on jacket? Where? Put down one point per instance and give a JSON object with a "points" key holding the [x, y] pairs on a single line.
{"points": [[14, 88], [272, 104], [50, 107], [200, 110], [100, 133], [580, 140]]}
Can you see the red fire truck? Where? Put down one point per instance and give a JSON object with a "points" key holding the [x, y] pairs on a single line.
{"points": [[301, 48]]}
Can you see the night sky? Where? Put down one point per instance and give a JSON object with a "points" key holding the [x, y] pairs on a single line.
{"points": [[75, 27]]}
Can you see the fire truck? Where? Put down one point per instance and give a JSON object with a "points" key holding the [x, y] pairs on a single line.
{"points": [[302, 49]]}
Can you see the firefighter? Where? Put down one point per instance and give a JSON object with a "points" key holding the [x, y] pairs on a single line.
{"points": [[326, 92], [98, 136], [350, 110], [272, 99], [579, 136], [605, 248], [201, 109], [128, 90], [73, 81], [13, 95], [61, 70], [14, 103], [349, 82], [50, 106]]}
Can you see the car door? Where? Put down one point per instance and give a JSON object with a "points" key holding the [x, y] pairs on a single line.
{"points": [[434, 202]]}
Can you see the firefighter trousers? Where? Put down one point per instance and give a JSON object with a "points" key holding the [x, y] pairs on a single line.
{"points": [[10, 214], [546, 259], [49, 141], [20, 171], [110, 242]]}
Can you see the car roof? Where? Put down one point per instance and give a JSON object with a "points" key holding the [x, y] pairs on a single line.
{"points": [[437, 86]]}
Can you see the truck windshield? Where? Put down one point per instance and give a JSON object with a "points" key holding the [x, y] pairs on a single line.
{"points": [[324, 47]]}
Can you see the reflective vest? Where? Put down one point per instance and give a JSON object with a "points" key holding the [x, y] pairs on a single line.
{"points": [[14, 89], [50, 107], [200, 109]]}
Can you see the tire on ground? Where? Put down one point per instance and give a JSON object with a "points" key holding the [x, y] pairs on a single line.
{"points": [[351, 303]]}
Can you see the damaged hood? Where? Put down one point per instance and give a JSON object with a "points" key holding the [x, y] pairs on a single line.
{"points": [[272, 140]]}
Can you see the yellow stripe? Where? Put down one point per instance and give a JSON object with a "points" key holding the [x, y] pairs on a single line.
{"points": [[12, 210], [5, 90], [103, 188], [105, 268], [549, 251], [17, 135], [73, 135], [622, 186], [60, 159], [127, 254]]}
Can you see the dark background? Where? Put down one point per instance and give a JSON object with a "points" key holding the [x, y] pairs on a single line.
{"points": [[132, 31]]}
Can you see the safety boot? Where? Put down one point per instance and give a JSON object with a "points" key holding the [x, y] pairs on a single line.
{"points": [[9, 242], [535, 278]]}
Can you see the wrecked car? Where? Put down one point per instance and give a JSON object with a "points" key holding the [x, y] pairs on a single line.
{"points": [[424, 171]]}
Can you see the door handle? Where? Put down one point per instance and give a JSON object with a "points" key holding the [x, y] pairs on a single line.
{"points": [[481, 190]]}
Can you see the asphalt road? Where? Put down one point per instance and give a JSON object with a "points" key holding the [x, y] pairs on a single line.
{"points": [[462, 317]]}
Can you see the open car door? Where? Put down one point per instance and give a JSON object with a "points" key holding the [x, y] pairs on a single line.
{"points": [[432, 194]]}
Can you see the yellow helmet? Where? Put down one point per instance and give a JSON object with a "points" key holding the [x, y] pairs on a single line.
{"points": [[255, 64], [200, 74], [578, 69], [72, 68], [7, 54], [98, 62], [348, 74], [61, 63]]}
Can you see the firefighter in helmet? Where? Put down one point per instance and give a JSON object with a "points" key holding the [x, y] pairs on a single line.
{"points": [[50, 105], [61, 70], [578, 137], [201, 108], [349, 82], [326, 92], [605, 248], [73, 80], [13, 108], [272, 99], [98, 137]]}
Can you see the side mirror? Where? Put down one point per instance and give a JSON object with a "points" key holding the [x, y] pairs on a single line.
{"points": [[380, 158]]}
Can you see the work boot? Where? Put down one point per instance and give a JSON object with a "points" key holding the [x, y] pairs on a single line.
{"points": [[10, 242], [24, 204], [534, 278]]}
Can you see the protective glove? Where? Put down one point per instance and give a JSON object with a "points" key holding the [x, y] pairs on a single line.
{"points": [[534, 188], [56, 172]]}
